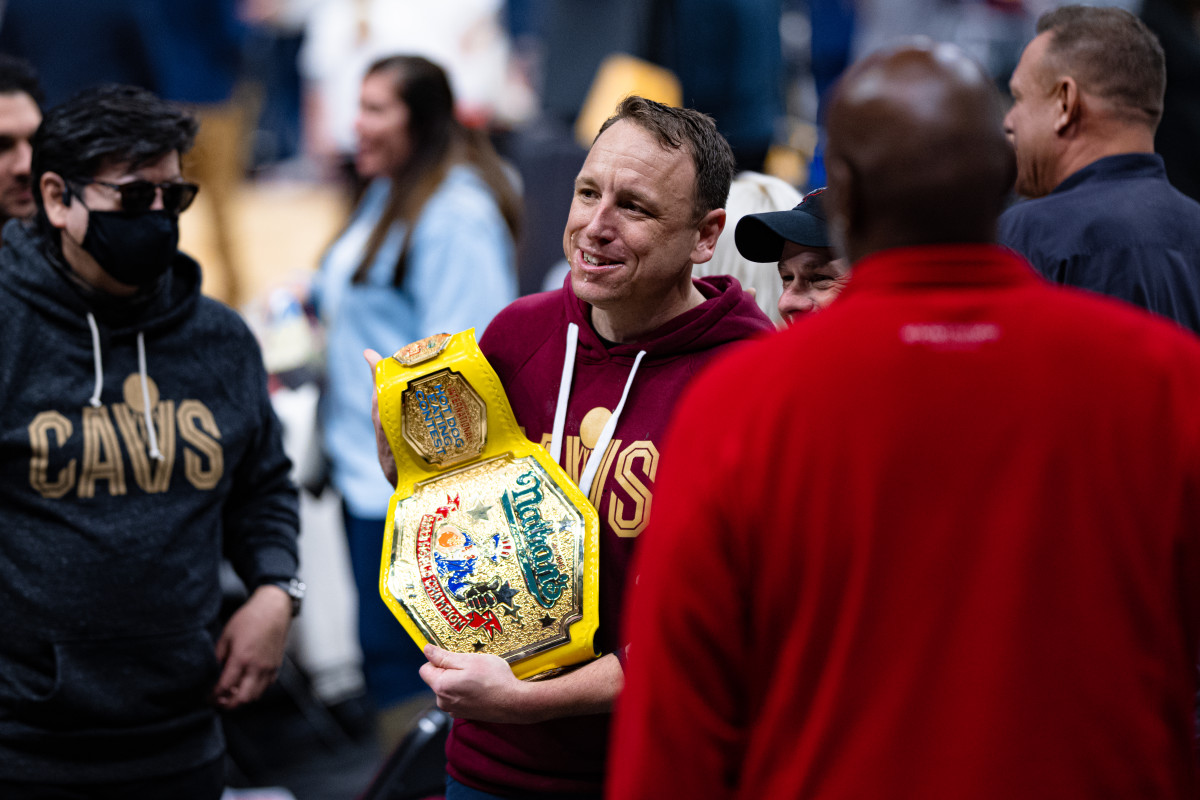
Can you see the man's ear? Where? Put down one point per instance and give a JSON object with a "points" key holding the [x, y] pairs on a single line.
{"points": [[56, 197], [1066, 101], [709, 229]]}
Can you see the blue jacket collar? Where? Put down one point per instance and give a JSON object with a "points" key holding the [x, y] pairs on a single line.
{"points": [[1118, 167]]}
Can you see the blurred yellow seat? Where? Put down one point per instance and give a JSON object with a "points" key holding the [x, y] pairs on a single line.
{"points": [[618, 76]]}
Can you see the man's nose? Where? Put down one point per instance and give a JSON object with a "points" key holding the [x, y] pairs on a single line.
{"points": [[792, 303], [24, 159], [599, 225]]}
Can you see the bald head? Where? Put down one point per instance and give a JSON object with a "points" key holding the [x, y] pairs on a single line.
{"points": [[916, 152]]}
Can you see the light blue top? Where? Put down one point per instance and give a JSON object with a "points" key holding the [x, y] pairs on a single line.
{"points": [[461, 271]]}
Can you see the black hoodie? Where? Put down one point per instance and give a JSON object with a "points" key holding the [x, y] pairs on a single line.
{"points": [[112, 531]]}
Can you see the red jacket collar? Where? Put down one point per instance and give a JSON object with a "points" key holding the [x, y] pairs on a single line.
{"points": [[942, 265]]}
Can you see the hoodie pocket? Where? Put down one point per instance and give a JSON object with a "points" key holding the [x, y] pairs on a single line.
{"points": [[124, 683]]}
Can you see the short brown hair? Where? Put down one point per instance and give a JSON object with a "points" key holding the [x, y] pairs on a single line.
{"points": [[1111, 54], [685, 127]]}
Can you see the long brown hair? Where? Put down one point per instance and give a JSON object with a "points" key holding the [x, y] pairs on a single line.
{"points": [[439, 141]]}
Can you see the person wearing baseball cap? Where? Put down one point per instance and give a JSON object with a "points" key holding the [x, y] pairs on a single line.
{"points": [[799, 241]]}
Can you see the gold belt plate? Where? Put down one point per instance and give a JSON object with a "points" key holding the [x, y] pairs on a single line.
{"points": [[489, 546]]}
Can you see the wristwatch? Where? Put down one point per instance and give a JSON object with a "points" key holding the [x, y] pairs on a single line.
{"points": [[295, 589]]}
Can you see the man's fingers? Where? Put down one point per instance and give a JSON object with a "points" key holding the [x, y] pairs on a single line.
{"points": [[226, 689], [253, 685], [387, 460], [431, 675], [442, 659], [239, 686]]}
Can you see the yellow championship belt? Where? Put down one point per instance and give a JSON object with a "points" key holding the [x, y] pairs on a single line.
{"points": [[489, 545]]}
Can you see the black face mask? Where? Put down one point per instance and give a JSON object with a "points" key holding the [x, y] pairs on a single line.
{"points": [[134, 248]]}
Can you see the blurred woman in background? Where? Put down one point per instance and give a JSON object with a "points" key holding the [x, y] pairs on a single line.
{"points": [[429, 249]]}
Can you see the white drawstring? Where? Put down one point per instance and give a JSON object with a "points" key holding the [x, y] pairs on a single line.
{"points": [[560, 412], [141, 344], [606, 434], [95, 400], [564, 392]]}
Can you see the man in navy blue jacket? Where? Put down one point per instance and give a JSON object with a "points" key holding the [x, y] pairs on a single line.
{"points": [[1087, 97]]}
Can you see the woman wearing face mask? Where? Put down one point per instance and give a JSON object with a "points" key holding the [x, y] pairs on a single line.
{"points": [[798, 240], [429, 249]]}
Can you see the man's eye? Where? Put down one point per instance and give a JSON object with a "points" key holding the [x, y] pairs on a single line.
{"points": [[7, 143]]}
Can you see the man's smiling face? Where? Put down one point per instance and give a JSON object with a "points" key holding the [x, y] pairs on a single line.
{"points": [[632, 233]]}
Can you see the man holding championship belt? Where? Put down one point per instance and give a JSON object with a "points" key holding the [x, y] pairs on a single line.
{"points": [[592, 372]]}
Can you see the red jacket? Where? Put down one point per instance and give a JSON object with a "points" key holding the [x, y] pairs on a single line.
{"points": [[526, 344], [939, 541]]}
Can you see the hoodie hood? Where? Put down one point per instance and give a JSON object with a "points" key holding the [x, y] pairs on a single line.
{"points": [[728, 314], [32, 267]]}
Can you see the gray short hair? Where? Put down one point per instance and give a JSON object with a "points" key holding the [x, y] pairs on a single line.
{"points": [[1110, 53]]}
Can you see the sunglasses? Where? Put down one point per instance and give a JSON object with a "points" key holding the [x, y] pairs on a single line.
{"points": [[138, 196]]}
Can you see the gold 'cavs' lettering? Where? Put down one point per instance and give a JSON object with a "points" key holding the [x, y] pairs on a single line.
{"points": [[104, 449], [44, 424], [632, 468], [576, 456], [101, 454], [198, 428], [629, 505], [154, 477]]}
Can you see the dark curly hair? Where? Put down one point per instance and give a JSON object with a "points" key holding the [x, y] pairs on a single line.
{"points": [[110, 124], [18, 75]]}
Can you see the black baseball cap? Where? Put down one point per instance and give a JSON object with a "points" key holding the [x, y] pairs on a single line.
{"points": [[760, 237]]}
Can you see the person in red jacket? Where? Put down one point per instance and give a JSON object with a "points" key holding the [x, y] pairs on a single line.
{"points": [[940, 540], [593, 371]]}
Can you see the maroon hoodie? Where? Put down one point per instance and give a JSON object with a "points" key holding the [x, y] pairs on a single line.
{"points": [[526, 344]]}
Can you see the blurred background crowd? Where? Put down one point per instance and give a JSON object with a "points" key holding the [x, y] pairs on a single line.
{"points": [[290, 189], [277, 84]]}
